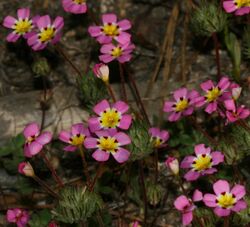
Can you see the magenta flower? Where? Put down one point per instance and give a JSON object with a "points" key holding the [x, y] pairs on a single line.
{"points": [[48, 32], [109, 142], [110, 116], [19, 216], [214, 94], [225, 200], [159, 137], [186, 206], [111, 29], [183, 104], [75, 6], [75, 137], [102, 71], [22, 26], [202, 163], [35, 140], [240, 7], [121, 52], [235, 113], [172, 164]]}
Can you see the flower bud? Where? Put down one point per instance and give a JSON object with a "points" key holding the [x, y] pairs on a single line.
{"points": [[236, 92], [173, 164], [102, 71], [26, 169], [52, 224]]}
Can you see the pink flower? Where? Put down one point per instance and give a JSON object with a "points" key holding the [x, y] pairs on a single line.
{"points": [[121, 52], [202, 163], [225, 200], [186, 206], [75, 6], [48, 32], [26, 169], [135, 224], [234, 113], [173, 164], [111, 29], [102, 71], [109, 142], [240, 7], [34, 139], [214, 94], [75, 137], [18, 216], [22, 26], [110, 116], [183, 104], [52, 224], [159, 137]]}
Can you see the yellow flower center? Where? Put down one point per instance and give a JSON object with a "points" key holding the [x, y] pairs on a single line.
{"points": [[108, 144], [79, 1], [116, 52], [202, 162], [226, 200], [22, 26], [213, 94], [77, 140], [242, 3], [157, 142], [47, 34], [110, 29], [110, 118], [181, 105], [31, 139]]}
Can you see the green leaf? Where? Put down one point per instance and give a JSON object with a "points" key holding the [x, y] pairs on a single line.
{"points": [[40, 219]]}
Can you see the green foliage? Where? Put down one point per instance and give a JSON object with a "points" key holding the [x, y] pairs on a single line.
{"points": [[246, 42], [207, 19], [243, 218], [12, 153], [134, 191], [41, 67], [92, 90], [141, 145], [234, 50], [40, 219], [154, 193], [76, 205], [207, 215]]}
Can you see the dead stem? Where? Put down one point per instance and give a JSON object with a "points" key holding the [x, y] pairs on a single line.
{"points": [[123, 89], [216, 44]]}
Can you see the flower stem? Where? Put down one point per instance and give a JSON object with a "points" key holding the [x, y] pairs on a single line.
{"points": [[123, 89], [65, 56], [216, 44], [98, 174], [52, 170], [111, 91], [226, 221], [85, 166], [156, 165]]}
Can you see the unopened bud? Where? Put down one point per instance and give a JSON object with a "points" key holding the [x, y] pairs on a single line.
{"points": [[102, 71], [236, 92], [173, 164], [26, 169]]}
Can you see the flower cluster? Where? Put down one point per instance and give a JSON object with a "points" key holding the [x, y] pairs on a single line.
{"points": [[114, 38], [19, 216], [221, 97]]}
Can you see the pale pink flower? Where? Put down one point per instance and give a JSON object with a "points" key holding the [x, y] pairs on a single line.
{"points": [[75, 6], [173, 165], [19, 216], [26, 169], [102, 71], [225, 200], [159, 137]]}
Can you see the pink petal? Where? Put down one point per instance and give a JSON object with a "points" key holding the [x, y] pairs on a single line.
{"points": [[94, 124], [104, 133], [210, 200], [164, 135], [242, 11], [23, 13], [187, 162], [31, 129], [77, 129], [217, 157], [57, 38], [9, 21], [174, 116], [124, 58], [187, 218], [105, 49], [222, 212], [106, 58], [35, 148], [191, 175], [27, 152], [100, 156], [109, 18], [70, 148], [180, 93], [103, 39], [230, 104], [197, 196], [122, 138], [11, 216], [211, 107], [124, 24], [121, 155], [44, 138], [188, 111], [205, 86], [94, 31], [123, 38], [221, 186], [43, 21], [125, 122], [168, 106], [101, 106], [90, 142], [229, 6], [121, 106], [192, 95], [181, 202], [58, 23], [209, 171], [201, 149], [64, 136], [39, 46], [239, 191], [12, 37], [224, 83], [200, 101], [32, 39], [240, 205]]}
